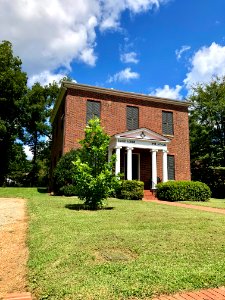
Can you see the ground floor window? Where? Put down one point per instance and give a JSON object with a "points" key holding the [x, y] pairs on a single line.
{"points": [[171, 167]]}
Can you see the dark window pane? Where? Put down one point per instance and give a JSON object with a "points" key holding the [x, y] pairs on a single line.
{"points": [[93, 110], [132, 118], [171, 167], [167, 122]]}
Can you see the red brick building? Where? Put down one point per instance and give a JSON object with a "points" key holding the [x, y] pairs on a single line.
{"points": [[149, 135]]}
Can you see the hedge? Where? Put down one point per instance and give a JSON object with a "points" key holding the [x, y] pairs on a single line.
{"points": [[63, 182], [130, 190], [183, 191]]}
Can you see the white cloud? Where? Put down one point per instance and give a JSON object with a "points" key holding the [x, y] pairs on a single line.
{"points": [[48, 35], [28, 153], [45, 77], [112, 10], [181, 51], [167, 92], [206, 63], [124, 76], [130, 57]]}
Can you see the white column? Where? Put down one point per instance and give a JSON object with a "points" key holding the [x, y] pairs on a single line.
{"points": [[154, 169], [109, 154], [165, 170], [117, 166], [129, 163]]}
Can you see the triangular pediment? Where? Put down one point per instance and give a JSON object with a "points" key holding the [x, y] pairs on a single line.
{"points": [[142, 134]]}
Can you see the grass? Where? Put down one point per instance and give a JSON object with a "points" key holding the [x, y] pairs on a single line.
{"points": [[216, 203], [133, 251]]}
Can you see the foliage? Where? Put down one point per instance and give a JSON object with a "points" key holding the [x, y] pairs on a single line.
{"points": [[12, 90], [19, 166], [68, 190], [37, 129], [94, 176], [214, 177], [64, 174], [207, 131], [131, 190], [183, 191]]}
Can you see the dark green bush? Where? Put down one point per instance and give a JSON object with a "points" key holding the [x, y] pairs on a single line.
{"points": [[130, 190], [214, 177], [68, 190], [183, 191], [63, 180]]}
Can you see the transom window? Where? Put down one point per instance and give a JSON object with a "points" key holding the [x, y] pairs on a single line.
{"points": [[167, 122], [93, 110], [132, 117]]}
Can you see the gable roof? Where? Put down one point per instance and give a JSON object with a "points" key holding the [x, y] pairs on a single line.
{"points": [[105, 91], [143, 134]]}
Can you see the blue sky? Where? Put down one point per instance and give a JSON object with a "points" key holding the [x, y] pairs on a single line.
{"points": [[159, 47]]}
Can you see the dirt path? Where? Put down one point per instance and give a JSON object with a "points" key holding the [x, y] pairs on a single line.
{"points": [[13, 250]]}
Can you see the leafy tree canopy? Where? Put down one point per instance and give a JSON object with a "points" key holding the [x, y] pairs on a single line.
{"points": [[12, 90], [207, 134], [94, 177], [207, 123], [37, 129]]}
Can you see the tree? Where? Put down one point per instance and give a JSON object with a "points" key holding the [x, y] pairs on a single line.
{"points": [[207, 129], [12, 90], [37, 129], [19, 166], [94, 177]]}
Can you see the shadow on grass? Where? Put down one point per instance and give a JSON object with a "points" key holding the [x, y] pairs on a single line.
{"points": [[84, 207], [42, 190]]}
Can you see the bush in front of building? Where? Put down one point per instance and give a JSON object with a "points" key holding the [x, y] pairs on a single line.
{"points": [[130, 190], [63, 178], [183, 191]]}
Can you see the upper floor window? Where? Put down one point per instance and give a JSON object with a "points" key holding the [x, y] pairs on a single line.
{"points": [[93, 110], [132, 117], [167, 122]]}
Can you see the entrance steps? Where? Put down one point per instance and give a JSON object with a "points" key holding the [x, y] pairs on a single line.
{"points": [[149, 195]]}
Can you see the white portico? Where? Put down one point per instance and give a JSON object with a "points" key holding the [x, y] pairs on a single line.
{"points": [[142, 139]]}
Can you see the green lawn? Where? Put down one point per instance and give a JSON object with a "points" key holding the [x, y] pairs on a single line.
{"points": [[132, 251], [217, 203]]}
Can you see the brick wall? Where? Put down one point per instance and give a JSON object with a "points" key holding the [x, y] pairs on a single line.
{"points": [[57, 148], [113, 119]]}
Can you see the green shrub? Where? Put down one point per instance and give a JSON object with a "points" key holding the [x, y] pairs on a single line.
{"points": [[130, 190], [68, 190], [63, 177], [183, 191]]}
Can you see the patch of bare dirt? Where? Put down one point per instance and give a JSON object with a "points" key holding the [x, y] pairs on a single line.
{"points": [[13, 249]]}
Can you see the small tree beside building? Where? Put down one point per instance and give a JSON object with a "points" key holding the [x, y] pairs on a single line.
{"points": [[95, 179]]}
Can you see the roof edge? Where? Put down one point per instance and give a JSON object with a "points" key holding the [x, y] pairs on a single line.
{"points": [[58, 101], [67, 84]]}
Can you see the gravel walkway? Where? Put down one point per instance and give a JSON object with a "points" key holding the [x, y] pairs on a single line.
{"points": [[13, 249], [11, 211]]}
